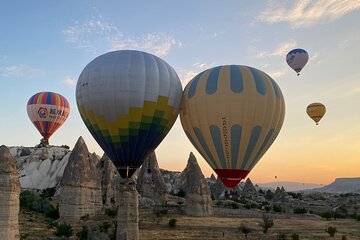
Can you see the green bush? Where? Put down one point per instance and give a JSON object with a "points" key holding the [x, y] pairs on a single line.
{"points": [[277, 208], [281, 236], [343, 237], [51, 212], [172, 222], [181, 193], [63, 230], [328, 215], [111, 212], [27, 198], [245, 229], [25, 152], [83, 234], [295, 236], [104, 227], [331, 231], [300, 211], [48, 192], [267, 223]]}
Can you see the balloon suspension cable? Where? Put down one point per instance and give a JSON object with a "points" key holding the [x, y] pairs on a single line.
{"points": [[126, 172]]}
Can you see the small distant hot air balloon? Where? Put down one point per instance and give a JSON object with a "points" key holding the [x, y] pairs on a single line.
{"points": [[232, 114], [297, 59], [47, 111], [128, 100], [316, 111]]}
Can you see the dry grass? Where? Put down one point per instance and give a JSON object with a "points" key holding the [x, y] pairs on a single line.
{"points": [[220, 227], [215, 227]]}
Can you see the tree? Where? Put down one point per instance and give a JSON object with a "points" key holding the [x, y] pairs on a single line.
{"points": [[63, 230], [331, 231], [245, 229], [301, 211], [267, 223]]}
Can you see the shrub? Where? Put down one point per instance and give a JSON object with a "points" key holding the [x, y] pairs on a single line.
{"points": [[104, 227], [48, 192], [295, 236], [111, 212], [27, 199], [159, 213], [181, 193], [328, 215], [63, 230], [277, 208], [83, 234], [331, 231], [343, 237], [172, 222], [244, 229], [25, 152], [267, 223], [281, 236], [234, 205], [300, 211], [51, 212]]}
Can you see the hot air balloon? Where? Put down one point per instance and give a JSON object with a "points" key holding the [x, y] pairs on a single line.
{"points": [[47, 111], [297, 59], [232, 114], [128, 100], [316, 111]]}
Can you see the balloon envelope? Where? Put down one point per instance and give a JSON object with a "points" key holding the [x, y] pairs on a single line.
{"points": [[297, 59], [128, 100], [48, 111], [316, 111], [232, 114]]}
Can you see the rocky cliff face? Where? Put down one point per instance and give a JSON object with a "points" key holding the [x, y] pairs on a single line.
{"points": [[9, 196], [280, 195], [80, 187], [198, 195], [342, 185], [40, 168], [108, 174], [150, 182]]}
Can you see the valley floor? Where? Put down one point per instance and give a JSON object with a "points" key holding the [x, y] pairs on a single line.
{"points": [[214, 227]]}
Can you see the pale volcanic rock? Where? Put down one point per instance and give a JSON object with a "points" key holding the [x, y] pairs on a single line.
{"points": [[40, 168], [128, 213], [108, 174], [80, 187], [280, 195], [198, 196], [150, 182], [249, 191], [9, 196]]}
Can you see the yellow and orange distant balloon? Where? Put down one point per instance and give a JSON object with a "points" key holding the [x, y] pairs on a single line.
{"points": [[316, 111]]}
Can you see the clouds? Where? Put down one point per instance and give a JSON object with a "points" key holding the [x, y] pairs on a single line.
{"points": [[97, 35], [186, 75], [21, 70], [306, 13], [281, 50], [69, 81]]}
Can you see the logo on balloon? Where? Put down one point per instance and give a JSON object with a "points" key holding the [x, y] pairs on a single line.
{"points": [[42, 112]]}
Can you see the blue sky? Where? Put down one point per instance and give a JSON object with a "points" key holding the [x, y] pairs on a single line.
{"points": [[44, 45]]}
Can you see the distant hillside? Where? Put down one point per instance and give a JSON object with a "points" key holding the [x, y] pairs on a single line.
{"points": [[342, 185], [290, 186]]}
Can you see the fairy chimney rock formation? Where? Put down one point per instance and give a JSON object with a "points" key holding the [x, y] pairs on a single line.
{"points": [[108, 174], [128, 213], [218, 189], [249, 191], [198, 196], [280, 195], [80, 187], [150, 182], [9, 196]]}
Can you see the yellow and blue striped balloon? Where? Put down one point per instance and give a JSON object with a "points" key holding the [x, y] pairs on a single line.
{"points": [[232, 114]]}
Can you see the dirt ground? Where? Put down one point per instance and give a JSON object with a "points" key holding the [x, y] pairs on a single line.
{"points": [[214, 227], [220, 227]]}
